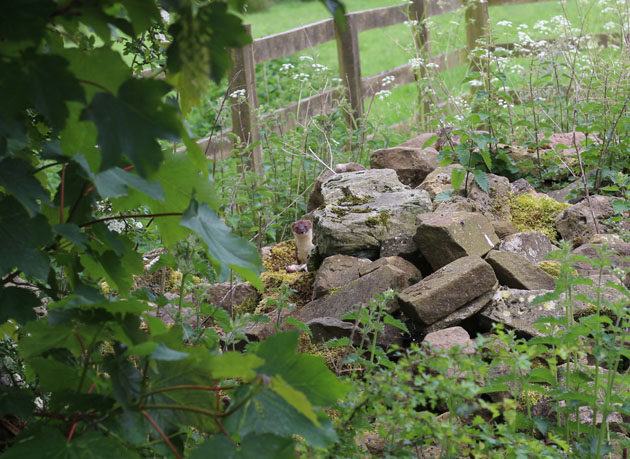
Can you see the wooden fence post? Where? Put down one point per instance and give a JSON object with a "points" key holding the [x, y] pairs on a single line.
{"points": [[245, 102], [476, 25], [350, 68], [417, 13]]}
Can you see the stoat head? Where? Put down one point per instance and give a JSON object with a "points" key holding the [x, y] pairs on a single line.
{"points": [[301, 227]]}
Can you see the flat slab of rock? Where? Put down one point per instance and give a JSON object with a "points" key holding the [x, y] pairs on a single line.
{"points": [[352, 295], [468, 310], [230, 294], [327, 328], [532, 245], [449, 338], [446, 290], [576, 223], [412, 164], [439, 180], [443, 238], [315, 199], [514, 308], [337, 271], [619, 258], [515, 271]]}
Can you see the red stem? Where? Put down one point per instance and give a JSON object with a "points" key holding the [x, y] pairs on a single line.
{"points": [[162, 434], [74, 426]]}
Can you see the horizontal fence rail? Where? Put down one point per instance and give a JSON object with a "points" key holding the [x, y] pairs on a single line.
{"points": [[354, 87]]}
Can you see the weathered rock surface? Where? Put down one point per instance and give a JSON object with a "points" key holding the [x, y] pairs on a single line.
{"points": [[533, 245], [439, 180], [230, 295], [327, 328], [576, 223], [413, 274], [443, 238], [619, 258], [521, 186], [514, 309], [495, 202], [419, 141], [468, 310], [503, 229], [450, 337], [315, 199], [363, 209], [566, 193], [337, 271], [411, 164], [515, 271], [349, 297], [446, 290]]}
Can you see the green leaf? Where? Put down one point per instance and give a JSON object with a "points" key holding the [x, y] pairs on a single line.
{"points": [[31, 445], [299, 324], [485, 154], [17, 304], [97, 68], [620, 206], [53, 375], [294, 398], [21, 240], [389, 320], [16, 176], [138, 117], [118, 270], [39, 336], [338, 11], [482, 179], [162, 352], [457, 178], [306, 373], [226, 250], [24, 19], [17, 402], [234, 365], [259, 446], [142, 13], [72, 233], [115, 182], [124, 377]]}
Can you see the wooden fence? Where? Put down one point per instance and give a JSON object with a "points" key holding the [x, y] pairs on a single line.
{"points": [[354, 87]]}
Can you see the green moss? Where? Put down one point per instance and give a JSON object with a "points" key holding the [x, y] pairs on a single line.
{"points": [[280, 256], [338, 211], [351, 200], [248, 306], [550, 267], [301, 283], [529, 213], [382, 219]]}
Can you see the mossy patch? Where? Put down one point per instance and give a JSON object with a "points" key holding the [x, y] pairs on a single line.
{"points": [[351, 200], [550, 267], [332, 355], [382, 219], [280, 256], [529, 213], [301, 282]]}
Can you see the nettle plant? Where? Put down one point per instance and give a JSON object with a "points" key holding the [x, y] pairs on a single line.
{"points": [[86, 156]]}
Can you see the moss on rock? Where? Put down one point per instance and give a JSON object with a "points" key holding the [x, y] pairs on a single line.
{"points": [[382, 219], [529, 213], [280, 256]]}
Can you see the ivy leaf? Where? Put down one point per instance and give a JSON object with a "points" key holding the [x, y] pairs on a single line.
{"points": [[457, 178], [130, 123], [482, 179], [17, 304], [226, 250], [21, 239], [16, 176]]}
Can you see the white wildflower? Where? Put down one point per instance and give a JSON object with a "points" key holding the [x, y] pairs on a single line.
{"points": [[301, 77], [319, 67], [305, 58], [475, 83], [388, 80], [504, 23], [384, 94], [522, 27], [416, 63], [433, 65], [610, 26], [239, 95], [412, 23], [286, 67], [116, 225]]}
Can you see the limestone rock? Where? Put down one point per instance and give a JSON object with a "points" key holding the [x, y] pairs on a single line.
{"points": [[450, 337], [364, 209], [230, 295], [315, 199], [620, 258], [447, 290], [337, 271], [515, 271], [468, 310], [521, 186], [503, 228], [413, 274], [514, 309], [412, 165], [439, 180], [419, 141], [327, 328], [494, 202], [443, 238], [576, 223], [568, 192], [350, 296], [533, 245]]}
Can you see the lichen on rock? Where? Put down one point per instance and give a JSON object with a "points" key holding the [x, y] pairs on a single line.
{"points": [[530, 213]]}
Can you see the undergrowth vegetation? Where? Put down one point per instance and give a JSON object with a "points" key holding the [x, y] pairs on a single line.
{"points": [[91, 369]]}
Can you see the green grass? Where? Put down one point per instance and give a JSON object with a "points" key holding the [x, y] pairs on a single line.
{"points": [[389, 47]]}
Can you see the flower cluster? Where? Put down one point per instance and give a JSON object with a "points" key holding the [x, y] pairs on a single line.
{"points": [[388, 80], [384, 94], [239, 95]]}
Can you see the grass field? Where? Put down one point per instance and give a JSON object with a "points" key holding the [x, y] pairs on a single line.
{"points": [[382, 49]]}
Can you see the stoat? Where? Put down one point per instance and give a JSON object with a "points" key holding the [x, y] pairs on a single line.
{"points": [[303, 232]]}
